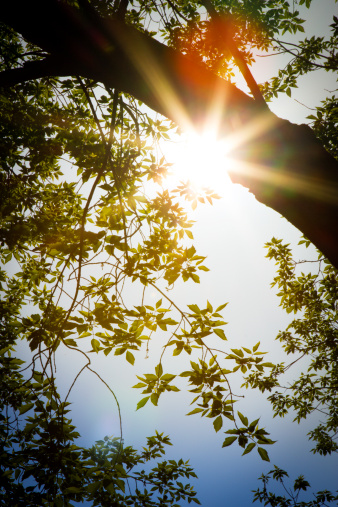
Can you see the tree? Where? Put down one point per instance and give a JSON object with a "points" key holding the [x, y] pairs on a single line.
{"points": [[322, 498], [111, 47], [78, 233]]}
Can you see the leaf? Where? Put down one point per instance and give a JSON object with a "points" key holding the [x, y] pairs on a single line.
{"points": [[256, 347], [243, 419], [194, 308], [70, 342], [142, 402], [263, 454], [203, 268], [185, 374], [249, 448], [253, 425], [172, 388], [177, 352], [96, 345], [139, 385], [221, 307], [195, 411], [238, 352], [130, 358], [159, 370], [154, 399], [24, 408], [72, 489], [218, 423], [228, 441], [168, 377], [220, 333]]}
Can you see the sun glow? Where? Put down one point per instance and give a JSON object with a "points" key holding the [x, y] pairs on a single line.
{"points": [[200, 159]]}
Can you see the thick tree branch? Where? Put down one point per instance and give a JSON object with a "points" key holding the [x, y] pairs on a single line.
{"points": [[285, 165], [32, 70]]}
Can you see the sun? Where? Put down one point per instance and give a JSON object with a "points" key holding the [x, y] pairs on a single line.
{"points": [[201, 159]]}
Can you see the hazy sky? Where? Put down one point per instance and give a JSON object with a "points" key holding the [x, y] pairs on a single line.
{"points": [[232, 234]]}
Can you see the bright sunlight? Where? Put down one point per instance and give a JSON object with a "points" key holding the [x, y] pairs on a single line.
{"points": [[200, 159]]}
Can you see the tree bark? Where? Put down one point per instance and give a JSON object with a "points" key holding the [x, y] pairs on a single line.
{"points": [[281, 163]]}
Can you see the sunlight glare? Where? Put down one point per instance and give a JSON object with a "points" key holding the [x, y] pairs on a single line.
{"points": [[200, 159]]}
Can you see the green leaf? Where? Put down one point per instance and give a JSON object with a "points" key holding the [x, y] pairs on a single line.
{"points": [[96, 345], [168, 377], [139, 385], [154, 399], [220, 333], [253, 425], [263, 454], [194, 308], [185, 374], [177, 352], [195, 411], [218, 423], [72, 489], [249, 448], [142, 402], [238, 352], [243, 419], [209, 307], [256, 347], [203, 268], [159, 370], [24, 408], [172, 388], [228, 441], [130, 358]]}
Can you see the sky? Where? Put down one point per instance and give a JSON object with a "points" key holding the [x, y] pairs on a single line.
{"points": [[232, 234]]}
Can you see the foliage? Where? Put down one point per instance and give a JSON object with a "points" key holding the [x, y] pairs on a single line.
{"points": [[313, 338], [322, 498], [42, 465], [85, 216]]}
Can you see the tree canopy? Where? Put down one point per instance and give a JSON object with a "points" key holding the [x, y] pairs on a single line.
{"points": [[110, 46], [89, 227]]}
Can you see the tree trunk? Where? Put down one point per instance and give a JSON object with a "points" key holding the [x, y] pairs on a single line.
{"points": [[282, 164]]}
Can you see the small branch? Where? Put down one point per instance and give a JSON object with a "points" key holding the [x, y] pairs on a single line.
{"points": [[91, 193], [122, 9]]}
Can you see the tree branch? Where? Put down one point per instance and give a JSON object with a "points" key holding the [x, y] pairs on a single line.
{"points": [[30, 71]]}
